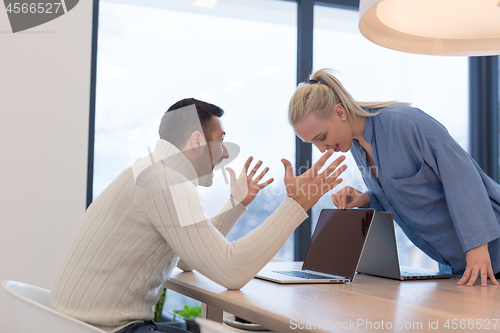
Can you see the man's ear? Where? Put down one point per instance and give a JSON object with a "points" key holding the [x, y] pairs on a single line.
{"points": [[340, 112], [197, 141]]}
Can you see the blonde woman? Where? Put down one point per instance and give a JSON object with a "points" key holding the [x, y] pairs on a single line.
{"points": [[439, 196]]}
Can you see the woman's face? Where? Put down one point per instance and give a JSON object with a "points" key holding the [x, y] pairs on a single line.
{"points": [[332, 133]]}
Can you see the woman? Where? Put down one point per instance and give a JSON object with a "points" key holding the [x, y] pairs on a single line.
{"points": [[439, 196]]}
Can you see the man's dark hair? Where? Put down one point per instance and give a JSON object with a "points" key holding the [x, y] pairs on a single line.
{"points": [[177, 127]]}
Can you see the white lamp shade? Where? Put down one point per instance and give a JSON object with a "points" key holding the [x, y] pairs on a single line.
{"points": [[433, 27]]}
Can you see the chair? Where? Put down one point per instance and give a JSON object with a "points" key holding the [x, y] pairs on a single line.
{"points": [[32, 314], [210, 326]]}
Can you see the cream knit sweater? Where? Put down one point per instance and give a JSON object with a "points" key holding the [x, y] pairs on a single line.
{"points": [[132, 235]]}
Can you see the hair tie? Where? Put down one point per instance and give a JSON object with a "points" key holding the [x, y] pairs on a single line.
{"points": [[313, 82]]}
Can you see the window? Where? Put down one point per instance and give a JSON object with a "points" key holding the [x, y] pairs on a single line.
{"points": [[241, 55]]}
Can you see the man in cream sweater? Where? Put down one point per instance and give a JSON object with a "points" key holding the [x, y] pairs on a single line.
{"points": [[134, 233]]}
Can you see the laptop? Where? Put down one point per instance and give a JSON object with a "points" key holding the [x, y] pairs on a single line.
{"points": [[380, 257], [334, 252]]}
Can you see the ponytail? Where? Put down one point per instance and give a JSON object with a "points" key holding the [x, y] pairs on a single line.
{"points": [[322, 93]]}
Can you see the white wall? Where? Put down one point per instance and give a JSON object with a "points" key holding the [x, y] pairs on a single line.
{"points": [[44, 110]]}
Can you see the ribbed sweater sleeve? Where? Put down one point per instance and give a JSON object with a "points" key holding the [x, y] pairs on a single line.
{"points": [[224, 221]]}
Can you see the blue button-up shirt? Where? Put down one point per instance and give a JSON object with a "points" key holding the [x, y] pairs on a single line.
{"points": [[439, 196]]}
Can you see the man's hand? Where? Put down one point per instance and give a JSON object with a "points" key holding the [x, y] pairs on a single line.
{"points": [[349, 197], [245, 188], [478, 263], [309, 187]]}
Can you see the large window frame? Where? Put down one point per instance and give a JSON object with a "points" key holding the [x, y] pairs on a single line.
{"points": [[483, 105]]}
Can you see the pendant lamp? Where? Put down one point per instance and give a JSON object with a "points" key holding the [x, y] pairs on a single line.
{"points": [[433, 27]]}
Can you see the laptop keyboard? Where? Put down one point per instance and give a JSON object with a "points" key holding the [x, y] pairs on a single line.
{"points": [[304, 275], [407, 273]]}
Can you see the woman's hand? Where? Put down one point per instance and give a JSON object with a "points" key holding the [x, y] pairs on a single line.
{"points": [[309, 187], [245, 188], [349, 197], [478, 263]]}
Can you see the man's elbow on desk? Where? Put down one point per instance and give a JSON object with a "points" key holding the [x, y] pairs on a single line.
{"points": [[230, 281], [183, 266], [233, 284]]}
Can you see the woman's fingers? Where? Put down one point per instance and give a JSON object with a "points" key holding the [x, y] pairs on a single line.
{"points": [[492, 276], [469, 277], [354, 203], [343, 198], [339, 197], [465, 277], [473, 277], [484, 277], [335, 200]]}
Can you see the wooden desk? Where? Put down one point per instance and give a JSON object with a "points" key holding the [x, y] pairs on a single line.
{"points": [[362, 306]]}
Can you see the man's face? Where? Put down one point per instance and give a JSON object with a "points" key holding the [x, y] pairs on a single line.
{"points": [[214, 153]]}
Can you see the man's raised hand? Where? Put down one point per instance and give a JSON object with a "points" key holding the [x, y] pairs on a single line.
{"points": [[245, 188], [309, 187]]}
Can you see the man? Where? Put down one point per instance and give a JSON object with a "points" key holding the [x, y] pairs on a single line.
{"points": [[133, 234]]}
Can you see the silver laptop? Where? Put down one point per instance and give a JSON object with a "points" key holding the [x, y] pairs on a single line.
{"points": [[380, 257], [334, 252]]}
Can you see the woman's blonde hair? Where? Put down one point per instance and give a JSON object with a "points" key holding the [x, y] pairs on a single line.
{"points": [[322, 97]]}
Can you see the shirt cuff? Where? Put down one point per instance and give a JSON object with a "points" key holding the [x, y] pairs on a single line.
{"points": [[480, 237]]}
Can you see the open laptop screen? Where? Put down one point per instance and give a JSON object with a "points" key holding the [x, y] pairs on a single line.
{"points": [[338, 240]]}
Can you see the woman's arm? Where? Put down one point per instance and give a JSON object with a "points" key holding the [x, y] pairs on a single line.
{"points": [[461, 179]]}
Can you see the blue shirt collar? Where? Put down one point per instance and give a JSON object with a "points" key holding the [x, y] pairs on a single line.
{"points": [[368, 130], [369, 127]]}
